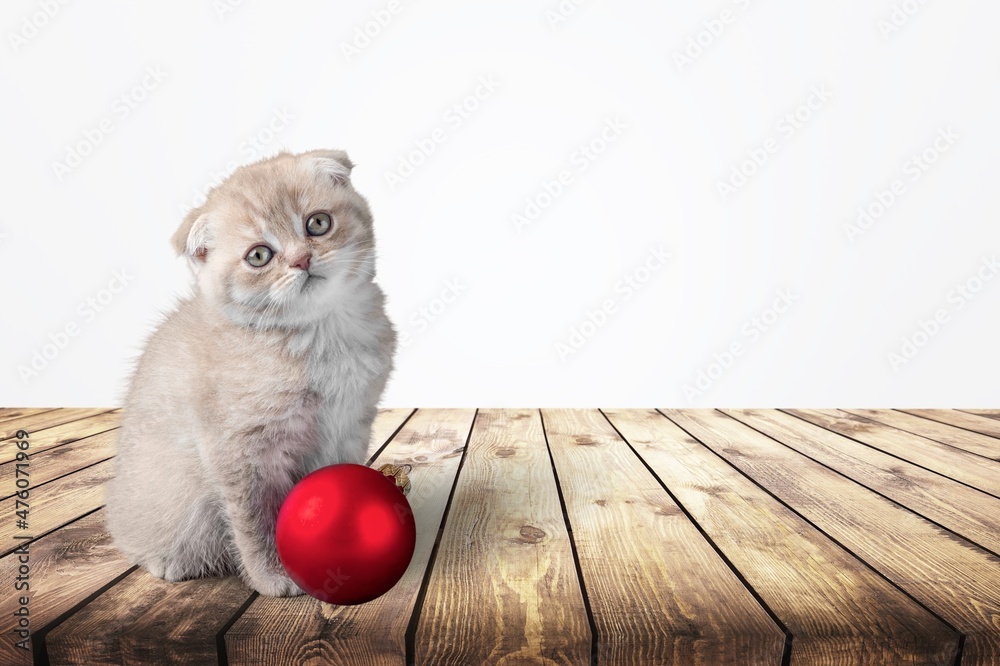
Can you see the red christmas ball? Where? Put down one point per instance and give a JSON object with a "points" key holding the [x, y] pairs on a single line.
{"points": [[345, 534]]}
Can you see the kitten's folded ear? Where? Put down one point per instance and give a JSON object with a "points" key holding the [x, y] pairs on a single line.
{"points": [[333, 163], [191, 238]]}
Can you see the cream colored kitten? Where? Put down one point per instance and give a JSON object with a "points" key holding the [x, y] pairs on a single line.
{"points": [[272, 369]]}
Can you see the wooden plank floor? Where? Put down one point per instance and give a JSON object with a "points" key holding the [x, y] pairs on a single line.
{"points": [[564, 536]]}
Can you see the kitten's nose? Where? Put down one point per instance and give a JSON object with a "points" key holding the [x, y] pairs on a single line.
{"points": [[303, 262]]}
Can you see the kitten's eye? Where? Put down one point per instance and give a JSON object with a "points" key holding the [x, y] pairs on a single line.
{"points": [[259, 256], [318, 224]]}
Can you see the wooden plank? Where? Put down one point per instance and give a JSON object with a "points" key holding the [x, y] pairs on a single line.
{"points": [[43, 440], [59, 461], [967, 511], [305, 630], [63, 449], [972, 442], [505, 532], [837, 609], [387, 421], [988, 413], [145, 620], [56, 503], [43, 420], [952, 577], [14, 413], [658, 591], [66, 566], [981, 424], [941, 458]]}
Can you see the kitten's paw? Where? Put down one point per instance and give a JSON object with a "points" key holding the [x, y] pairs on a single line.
{"points": [[168, 570], [156, 568], [276, 585]]}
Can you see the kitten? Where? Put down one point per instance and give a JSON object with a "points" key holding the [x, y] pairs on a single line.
{"points": [[270, 370]]}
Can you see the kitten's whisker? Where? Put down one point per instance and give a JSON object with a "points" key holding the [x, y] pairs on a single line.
{"points": [[350, 251], [333, 255], [361, 270]]}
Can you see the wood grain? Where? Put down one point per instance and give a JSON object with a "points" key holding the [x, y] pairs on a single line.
{"points": [[304, 630], [972, 442], [387, 421], [43, 440], [44, 420], [56, 503], [11, 413], [988, 413], [504, 588], [658, 591], [145, 620], [66, 566], [963, 466], [58, 461], [981, 424], [854, 577], [952, 577], [970, 512], [838, 610]]}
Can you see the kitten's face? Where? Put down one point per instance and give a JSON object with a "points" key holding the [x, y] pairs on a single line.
{"points": [[280, 241]]}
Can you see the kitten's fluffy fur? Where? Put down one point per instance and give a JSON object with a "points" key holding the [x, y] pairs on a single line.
{"points": [[260, 377]]}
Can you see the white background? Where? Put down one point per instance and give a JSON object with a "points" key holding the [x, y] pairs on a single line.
{"points": [[897, 73]]}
